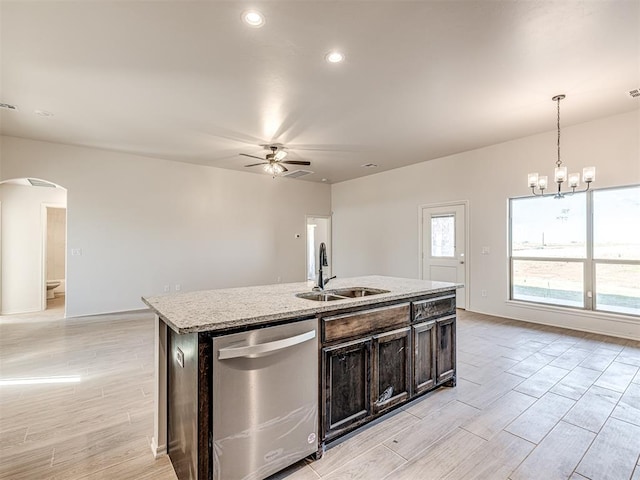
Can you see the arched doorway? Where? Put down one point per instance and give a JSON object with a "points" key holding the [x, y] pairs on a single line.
{"points": [[33, 245]]}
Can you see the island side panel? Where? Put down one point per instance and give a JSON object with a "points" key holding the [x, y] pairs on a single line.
{"points": [[159, 441], [205, 382], [182, 404]]}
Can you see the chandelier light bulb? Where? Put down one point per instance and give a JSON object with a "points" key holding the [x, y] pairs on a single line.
{"points": [[543, 182], [574, 180], [588, 174], [560, 174]]}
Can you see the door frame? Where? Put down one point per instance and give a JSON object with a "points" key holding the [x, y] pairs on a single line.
{"points": [[465, 205], [44, 206], [329, 242]]}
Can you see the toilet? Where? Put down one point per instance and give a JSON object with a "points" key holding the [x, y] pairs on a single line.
{"points": [[51, 285]]}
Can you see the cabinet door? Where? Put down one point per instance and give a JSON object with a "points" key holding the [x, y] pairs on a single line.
{"points": [[446, 349], [346, 385], [391, 367], [424, 356]]}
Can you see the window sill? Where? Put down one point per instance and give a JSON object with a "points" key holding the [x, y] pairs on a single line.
{"points": [[615, 317]]}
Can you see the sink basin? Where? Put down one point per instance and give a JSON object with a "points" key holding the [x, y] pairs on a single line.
{"points": [[319, 296], [356, 292], [340, 294]]}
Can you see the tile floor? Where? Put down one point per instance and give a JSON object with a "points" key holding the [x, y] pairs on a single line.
{"points": [[532, 402]]}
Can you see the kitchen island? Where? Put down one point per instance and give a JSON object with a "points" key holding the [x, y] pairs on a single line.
{"points": [[381, 342]]}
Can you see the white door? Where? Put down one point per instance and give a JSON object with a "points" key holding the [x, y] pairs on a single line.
{"points": [[443, 246], [318, 231]]}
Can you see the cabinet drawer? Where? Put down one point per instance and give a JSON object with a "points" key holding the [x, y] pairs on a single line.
{"points": [[434, 307], [362, 323]]}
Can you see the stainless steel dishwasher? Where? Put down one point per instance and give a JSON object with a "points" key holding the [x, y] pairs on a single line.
{"points": [[265, 400]]}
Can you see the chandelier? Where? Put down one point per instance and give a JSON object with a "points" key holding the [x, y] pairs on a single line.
{"points": [[560, 174]]}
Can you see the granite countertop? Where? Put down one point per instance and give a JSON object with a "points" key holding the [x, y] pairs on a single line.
{"points": [[223, 309]]}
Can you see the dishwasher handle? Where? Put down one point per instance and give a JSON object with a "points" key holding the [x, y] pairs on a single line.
{"points": [[253, 351]]}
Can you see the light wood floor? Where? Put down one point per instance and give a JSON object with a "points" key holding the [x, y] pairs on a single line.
{"points": [[532, 402]]}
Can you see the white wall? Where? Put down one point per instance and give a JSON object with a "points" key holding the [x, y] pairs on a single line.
{"points": [[22, 245], [375, 218], [143, 223]]}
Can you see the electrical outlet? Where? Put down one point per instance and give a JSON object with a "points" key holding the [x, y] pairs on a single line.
{"points": [[484, 293], [76, 252], [167, 288], [485, 251], [178, 287]]}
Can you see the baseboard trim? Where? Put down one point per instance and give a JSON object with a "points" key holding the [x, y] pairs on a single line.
{"points": [[158, 450], [607, 325]]}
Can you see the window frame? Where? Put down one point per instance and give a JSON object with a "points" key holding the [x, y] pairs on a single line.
{"points": [[589, 262]]}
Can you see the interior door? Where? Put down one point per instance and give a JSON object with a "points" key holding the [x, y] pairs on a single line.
{"points": [[318, 231], [443, 246]]}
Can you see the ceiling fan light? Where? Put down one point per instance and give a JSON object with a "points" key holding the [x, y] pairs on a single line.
{"points": [[274, 169]]}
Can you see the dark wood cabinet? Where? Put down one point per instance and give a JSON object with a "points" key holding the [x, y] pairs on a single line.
{"points": [[435, 307], [391, 368], [424, 356], [379, 358], [358, 371], [446, 350], [346, 386]]}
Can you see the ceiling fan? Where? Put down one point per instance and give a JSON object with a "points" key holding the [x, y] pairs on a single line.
{"points": [[273, 162]]}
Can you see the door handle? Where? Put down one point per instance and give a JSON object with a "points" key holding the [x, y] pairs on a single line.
{"points": [[253, 351]]}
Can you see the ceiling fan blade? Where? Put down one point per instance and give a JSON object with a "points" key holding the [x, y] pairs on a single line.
{"points": [[256, 164], [280, 155], [296, 162], [284, 169], [252, 156]]}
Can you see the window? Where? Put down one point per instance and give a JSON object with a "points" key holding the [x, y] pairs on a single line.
{"points": [[581, 251], [443, 236]]}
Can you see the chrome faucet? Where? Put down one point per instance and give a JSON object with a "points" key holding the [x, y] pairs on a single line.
{"points": [[322, 261]]}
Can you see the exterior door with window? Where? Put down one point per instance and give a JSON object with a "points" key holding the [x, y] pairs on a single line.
{"points": [[443, 246]]}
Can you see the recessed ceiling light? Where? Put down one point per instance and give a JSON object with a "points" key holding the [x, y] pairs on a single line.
{"points": [[8, 106], [369, 165], [334, 57], [43, 113], [253, 18]]}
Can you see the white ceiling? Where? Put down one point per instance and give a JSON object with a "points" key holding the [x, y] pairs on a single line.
{"points": [[188, 81]]}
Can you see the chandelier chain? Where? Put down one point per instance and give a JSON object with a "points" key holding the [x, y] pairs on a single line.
{"points": [[559, 162]]}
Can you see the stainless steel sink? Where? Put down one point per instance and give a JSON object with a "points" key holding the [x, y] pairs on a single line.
{"points": [[319, 296], [356, 292], [340, 294]]}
